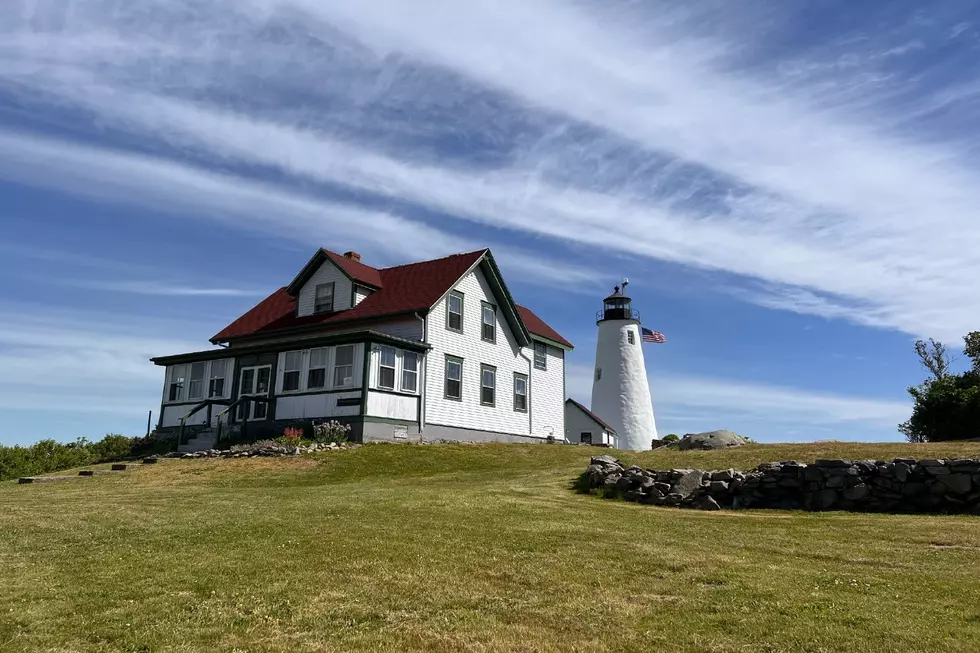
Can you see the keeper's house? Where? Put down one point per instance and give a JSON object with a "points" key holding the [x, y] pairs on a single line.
{"points": [[436, 349]]}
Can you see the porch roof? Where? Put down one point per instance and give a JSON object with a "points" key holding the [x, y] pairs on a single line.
{"points": [[289, 345]]}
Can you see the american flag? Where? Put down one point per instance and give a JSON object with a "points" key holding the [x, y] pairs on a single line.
{"points": [[653, 336]]}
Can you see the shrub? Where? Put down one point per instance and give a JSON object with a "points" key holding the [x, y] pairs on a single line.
{"points": [[332, 431]]}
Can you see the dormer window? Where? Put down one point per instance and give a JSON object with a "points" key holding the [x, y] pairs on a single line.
{"points": [[323, 302]]}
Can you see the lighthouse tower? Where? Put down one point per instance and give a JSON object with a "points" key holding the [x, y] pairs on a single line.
{"points": [[620, 392]]}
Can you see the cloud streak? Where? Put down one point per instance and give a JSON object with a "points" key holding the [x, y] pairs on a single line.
{"points": [[819, 196]]}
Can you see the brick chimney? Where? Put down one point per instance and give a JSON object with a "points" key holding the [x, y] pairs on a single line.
{"points": [[354, 256]]}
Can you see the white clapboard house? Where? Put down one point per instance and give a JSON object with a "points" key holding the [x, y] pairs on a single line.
{"points": [[433, 350]]}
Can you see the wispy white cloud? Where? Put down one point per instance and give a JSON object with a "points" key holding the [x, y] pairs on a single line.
{"points": [[817, 195], [156, 289]]}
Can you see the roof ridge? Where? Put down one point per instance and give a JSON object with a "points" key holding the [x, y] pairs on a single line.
{"points": [[435, 260]]}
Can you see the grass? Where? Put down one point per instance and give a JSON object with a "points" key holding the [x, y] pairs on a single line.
{"points": [[469, 548]]}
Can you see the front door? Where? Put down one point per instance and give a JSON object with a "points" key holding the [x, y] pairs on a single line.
{"points": [[255, 382]]}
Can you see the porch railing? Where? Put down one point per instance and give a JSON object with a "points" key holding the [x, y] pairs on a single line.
{"points": [[209, 404]]}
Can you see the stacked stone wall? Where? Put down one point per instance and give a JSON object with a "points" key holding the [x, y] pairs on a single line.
{"points": [[899, 485]]}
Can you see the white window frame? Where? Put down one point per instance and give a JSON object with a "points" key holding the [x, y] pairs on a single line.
{"points": [[484, 369], [299, 355], [518, 376], [382, 350], [455, 294], [316, 297], [544, 356], [182, 386], [224, 378], [199, 394], [406, 355], [336, 367], [310, 367]]}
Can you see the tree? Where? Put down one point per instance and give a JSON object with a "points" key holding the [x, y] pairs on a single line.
{"points": [[947, 406]]}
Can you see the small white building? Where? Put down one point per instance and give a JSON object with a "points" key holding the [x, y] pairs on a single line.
{"points": [[433, 350], [582, 426]]}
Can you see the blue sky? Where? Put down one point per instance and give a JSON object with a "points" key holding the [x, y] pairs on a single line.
{"points": [[791, 187]]}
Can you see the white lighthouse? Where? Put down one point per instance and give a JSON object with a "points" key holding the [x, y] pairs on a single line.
{"points": [[620, 391]]}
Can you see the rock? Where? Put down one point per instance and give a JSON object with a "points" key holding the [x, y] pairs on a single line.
{"points": [[812, 473], [825, 499], [718, 487], [957, 483], [859, 492], [709, 503], [710, 440], [723, 475], [831, 462], [673, 499], [835, 482], [902, 471], [605, 460], [937, 470], [687, 483]]}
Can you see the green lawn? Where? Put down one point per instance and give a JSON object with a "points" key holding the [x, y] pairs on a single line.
{"points": [[469, 548]]}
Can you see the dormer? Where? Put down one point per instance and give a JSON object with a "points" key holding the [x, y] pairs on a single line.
{"points": [[330, 283]]}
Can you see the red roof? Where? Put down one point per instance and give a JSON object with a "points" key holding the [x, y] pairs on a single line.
{"points": [[355, 269], [538, 327], [402, 289]]}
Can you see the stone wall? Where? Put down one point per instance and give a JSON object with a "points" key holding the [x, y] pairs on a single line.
{"points": [[900, 485]]}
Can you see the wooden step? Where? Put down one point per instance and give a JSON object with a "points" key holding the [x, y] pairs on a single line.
{"points": [[43, 479]]}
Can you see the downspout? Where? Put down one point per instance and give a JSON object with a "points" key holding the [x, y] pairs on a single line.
{"points": [[425, 374], [530, 369]]}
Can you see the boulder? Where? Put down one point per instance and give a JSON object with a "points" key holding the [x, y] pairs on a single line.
{"points": [[710, 440], [688, 482], [709, 504], [958, 483]]}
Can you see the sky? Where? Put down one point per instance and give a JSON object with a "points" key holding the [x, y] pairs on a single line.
{"points": [[790, 187]]}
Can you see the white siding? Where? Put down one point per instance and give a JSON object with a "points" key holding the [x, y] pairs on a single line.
{"points": [[325, 274], [548, 394], [318, 405], [392, 406], [360, 292], [577, 423], [504, 354]]}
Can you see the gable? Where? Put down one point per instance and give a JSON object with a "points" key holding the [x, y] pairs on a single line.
{"points": [[326, 273], [582, 410]]}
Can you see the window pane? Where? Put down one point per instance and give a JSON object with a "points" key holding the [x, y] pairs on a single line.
{"points": [[487, 396], [410, 361], [455, 304], [345, 355], [454, 373], [386, 378], [177, 377], [388, 356], [455, 314], [294, 361], [489, 378], [316, 378], [409, 381], [218, 369], [323, 302], [290, 381], [318, 357], [540, 356], [453, 370], [216, 388], [453, 389]]}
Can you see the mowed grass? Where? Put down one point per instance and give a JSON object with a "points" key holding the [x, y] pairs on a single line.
{"points": [[469, 548]]}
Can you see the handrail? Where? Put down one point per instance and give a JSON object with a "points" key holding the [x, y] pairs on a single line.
{"points": [[207, 403], [244, 399]]}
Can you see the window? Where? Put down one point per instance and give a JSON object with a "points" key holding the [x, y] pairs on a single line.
{"points": [[410, 371], [586, 438], [631, 337], [216, 386], [540, 356], [343, 368], [195, 389], [177, 377], [386, 370], [292, 369], [520, 392], [454, 312], [316, 377], [323, 301], [454, 378], [598, 374], [489, 332], [488, 385]]}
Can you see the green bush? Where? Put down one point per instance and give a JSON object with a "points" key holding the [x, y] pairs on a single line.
{"points": [[50, 456]]}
